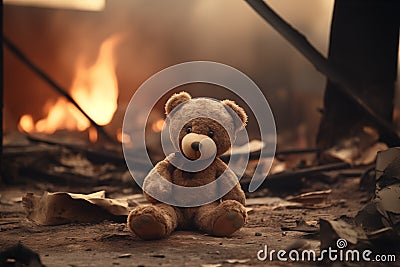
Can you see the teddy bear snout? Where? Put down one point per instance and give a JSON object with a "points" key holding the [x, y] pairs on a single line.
{"points": [[196, 146]]}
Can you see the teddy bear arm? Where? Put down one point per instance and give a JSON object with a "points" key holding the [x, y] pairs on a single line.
{"points": [[153, 186], [236, 194], [230, 180], [165, 169]]}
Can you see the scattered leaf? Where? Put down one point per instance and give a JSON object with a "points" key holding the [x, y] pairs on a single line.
{"points": [[267, 201], [384, 158], [393, 169], [302, 226], [369, 155], [353, 156], [360, 149], [273, 202], [331, 231], [381, 216], [388, 199], [311, 198], [369, 218]]}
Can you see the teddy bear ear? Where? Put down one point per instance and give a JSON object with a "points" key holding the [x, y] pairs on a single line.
{"points": [[238, 110], [175, 100]]}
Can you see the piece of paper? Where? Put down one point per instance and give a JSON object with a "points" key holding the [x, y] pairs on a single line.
{"points": [[62, 207]]}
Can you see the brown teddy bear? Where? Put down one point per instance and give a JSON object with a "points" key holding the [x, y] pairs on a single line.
{"points": [[200, 139]]}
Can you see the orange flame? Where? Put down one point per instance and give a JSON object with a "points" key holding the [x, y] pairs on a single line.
{"points": [[94, 88], [158, 125], [123, 137], [26, 123], [93, 135]]}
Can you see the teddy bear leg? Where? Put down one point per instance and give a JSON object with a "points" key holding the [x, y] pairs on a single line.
{"points": [[221, 219], [153, 222]]}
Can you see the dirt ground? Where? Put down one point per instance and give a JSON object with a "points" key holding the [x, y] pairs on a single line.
{"points": [[110, 244]]}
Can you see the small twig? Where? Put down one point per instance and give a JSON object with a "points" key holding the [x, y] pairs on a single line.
{"points": [[293, 175], [300, 42], [266, 154], [54, 85], [94, 154], [310, 170]]}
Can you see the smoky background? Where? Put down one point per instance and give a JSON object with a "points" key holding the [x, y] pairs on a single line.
{"points": [[158, 34]]}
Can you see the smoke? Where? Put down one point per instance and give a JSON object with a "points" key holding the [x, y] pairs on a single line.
{"points": [[162, 33]]}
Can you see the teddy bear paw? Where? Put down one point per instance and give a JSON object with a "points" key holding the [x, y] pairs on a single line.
{"points": [[228, 223], [147, 227]]}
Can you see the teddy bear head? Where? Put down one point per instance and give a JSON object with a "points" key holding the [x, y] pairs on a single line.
{"points": [[203, 127]]}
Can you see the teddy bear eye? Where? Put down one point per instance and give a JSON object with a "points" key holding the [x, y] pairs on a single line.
{"points": [[189, 129], [210, 134]]}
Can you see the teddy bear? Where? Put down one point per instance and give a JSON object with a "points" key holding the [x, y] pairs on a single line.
{"points": [[201, 129]]}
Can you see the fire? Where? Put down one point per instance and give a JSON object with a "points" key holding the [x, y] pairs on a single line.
{"points": [[62, 115], [93, 135], [26, 123], [94, 88], [158, 125], [123, 137]]}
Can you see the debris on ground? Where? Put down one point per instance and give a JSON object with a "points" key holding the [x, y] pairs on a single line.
{"points": [[61, 208], [334, 230], [358, 150], [303, 226], [299, 207], [377, 224], [381, 216], [316, 199]]}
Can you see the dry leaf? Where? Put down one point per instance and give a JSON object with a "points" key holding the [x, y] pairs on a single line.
{"points": [[384, 159], [331, 231], [370, 153], [384, 210], [273, 202], [388, 199], [369, 217], [360, 149], [303, 226], [354, 156], [311, 198]]}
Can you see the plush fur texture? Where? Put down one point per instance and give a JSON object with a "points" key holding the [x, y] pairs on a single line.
{"points": [[220, 218], [233, 107], [204, 110], [176, 100]]}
